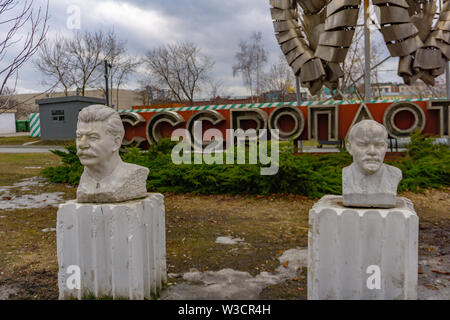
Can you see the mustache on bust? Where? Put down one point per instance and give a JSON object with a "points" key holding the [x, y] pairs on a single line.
{"points": [[371, 159], [86, 154]]}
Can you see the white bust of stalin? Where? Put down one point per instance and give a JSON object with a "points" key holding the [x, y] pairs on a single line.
{"points": [[368, 182], [106, 178]]}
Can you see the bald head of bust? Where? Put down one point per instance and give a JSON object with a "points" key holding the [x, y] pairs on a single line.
{"points": [[367, 144]]}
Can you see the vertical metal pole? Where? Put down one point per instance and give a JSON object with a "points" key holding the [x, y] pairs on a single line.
{"points": [[299, 101], [447, 79], [106, 83], [297, 90], [367, 87]]}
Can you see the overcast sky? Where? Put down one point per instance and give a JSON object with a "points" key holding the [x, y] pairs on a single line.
{"points": [[216, 26]]}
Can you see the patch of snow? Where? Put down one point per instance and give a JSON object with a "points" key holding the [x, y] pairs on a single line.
{"points": [[232, 284], [4, 193], [434, 285], [8, 201], [32, 201], [295, 259], [6, 292], [228, 240], [30, 182]]}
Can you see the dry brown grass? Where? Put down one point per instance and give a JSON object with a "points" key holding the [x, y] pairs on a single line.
{"points": [[16, 166], [16, 140], [268, 225]]}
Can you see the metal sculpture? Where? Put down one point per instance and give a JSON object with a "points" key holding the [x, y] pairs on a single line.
{"points": [[316, 39]]}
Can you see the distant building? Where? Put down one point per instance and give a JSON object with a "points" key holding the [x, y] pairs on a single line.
{"points": [[7, 121], [416, 88], [27, 102], [392, 90], [400, 90], [384, 89], [278, 96], [59, 116], [350, 90]]}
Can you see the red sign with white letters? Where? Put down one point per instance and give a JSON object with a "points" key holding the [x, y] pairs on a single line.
{"points": [[315, 122]]}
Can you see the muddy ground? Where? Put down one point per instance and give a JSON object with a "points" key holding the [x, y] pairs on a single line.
{"points": [[267, 226]]}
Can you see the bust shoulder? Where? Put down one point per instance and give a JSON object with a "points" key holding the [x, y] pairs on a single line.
{"points": [[346, 170], [127, 182], [349, 170], [393, 171], [130, 169]]}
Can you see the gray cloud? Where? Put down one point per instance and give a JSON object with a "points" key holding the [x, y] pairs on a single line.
{"points": [[216, 26]]}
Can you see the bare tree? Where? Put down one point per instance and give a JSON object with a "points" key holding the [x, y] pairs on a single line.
{"points": [[22, 108], [216, 89], [354, 66], [78, 62], [54, 62], [181, 67], [122, 64], [122, 68], [280, 78], [250, 61], [18, 18], [145, 93], [73, 62], [151, 93], [87, 51], [7, 100]]}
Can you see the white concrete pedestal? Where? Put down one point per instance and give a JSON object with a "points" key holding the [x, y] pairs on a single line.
{"points": [[120, 248], [348, 246]]}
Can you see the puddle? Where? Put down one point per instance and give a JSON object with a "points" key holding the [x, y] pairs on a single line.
{"points": [[233, 284]]}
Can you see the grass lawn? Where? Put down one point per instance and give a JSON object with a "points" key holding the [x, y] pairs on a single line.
{"points": [[26, 252], [269, 225], [20, 140], [16, 166], [16, 140], [28, 255], [54, 142]]}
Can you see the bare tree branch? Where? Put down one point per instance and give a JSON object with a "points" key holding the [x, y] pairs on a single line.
{"points": [[180, 67], [354, 68], [87, 51], [54, 62], [280, 78], [123, 65], [250, 61], [216, 89], [77, 62], [26, 20]]}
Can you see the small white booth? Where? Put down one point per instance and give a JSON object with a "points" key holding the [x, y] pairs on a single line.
{"points": [[8, 121]]}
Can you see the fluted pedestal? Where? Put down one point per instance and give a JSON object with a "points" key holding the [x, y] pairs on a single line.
{"points": [[362, 253], [119, 248]]}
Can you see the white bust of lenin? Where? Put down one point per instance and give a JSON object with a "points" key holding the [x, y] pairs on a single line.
{"points": [[106, 178], [368, 182]]}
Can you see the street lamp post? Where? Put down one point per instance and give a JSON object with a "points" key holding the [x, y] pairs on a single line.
{"points": [[367, 87], [108, 67]]}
